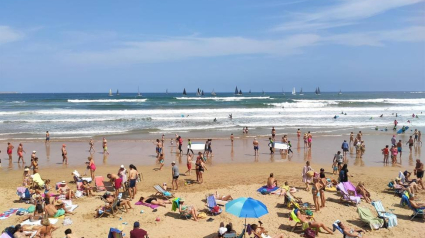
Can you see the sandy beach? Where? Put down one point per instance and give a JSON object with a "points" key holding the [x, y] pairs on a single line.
{"points": [[237, 173]]}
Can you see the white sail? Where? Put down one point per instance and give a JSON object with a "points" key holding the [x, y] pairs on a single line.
{"points": [[138, 92], [293, 91], [301, 91], [213, 93], [110, 93]]}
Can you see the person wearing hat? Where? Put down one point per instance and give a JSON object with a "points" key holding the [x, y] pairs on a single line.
{"points": [[122, 173], [137, 232], [52, 211], [46, 230], [64, 155], [26, 177], [188, 211], [175, 173], [65, 191]]}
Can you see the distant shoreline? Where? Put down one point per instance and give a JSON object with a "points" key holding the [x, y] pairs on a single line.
{"points": [[9, 93]]}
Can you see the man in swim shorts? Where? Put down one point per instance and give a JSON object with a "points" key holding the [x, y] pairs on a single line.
{"points": [[133, 179], [410, 143], [175, 173], [419, 171], [47, 137], [399, 147], [255, 143]]}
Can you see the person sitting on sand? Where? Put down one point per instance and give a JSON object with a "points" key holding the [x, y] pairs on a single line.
{"points": [[37, 215], [26, 177], [348, 231], [187, 210], [311, 222], [46, 229], [222, 197], [51, 211], [271, 182], [155, 201], [65, 191], [259, 231], [110, 198], [61, 205], [361, 189], [87, 188]]}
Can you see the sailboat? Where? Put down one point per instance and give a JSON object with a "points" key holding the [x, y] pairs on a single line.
{"points": [[240, 92], [202, 93], [317, 91], [301, 91], [283, 93], [213, 93], [198, 93], [118, 93], [340, 92], [249, 91], [293, 92], [110, 93], [263, 92], [184, 92], [236, 91], [138, 92]]}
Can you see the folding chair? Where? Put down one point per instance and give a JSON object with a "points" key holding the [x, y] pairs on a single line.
{"points": [[162, 192]]}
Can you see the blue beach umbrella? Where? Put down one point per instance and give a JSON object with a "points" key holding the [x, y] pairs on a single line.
{"points": [[246, 208]]}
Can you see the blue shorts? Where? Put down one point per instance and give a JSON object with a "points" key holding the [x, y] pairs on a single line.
{"points": [[255, 147], [399, 149], [159, 150], [132, 183], [47, 138]]}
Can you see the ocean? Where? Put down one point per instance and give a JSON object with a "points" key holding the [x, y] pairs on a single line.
{"points": [[74, 116]]}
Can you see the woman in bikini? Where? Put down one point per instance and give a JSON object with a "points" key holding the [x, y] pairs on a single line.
{"points": [[200, 167], [315, 190], [154, 201], [46, 230], [222, 197], [21, 152]]}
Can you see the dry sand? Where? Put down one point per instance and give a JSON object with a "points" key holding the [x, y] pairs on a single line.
{"points": [[237, 179]]}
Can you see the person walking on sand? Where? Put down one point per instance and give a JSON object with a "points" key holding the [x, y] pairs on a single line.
{"points": [[91, 143], [161, 160], [64, 155], [158, 148], [419, 171], [189, 147], [9, 150], [344, 148], [200, 168], [189, 164], [92, 167], [133, 179], [21, 152], [180, 139], [410, 143], [255, 144], [338, 158], [175, 173], [393, 140], [105, 146], [231, 138], [306, 176], [47, 137]]}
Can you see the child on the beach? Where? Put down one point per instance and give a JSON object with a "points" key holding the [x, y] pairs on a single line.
{"points": [[189, 163], [335, 167]]}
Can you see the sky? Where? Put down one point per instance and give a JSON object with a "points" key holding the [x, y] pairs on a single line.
{"points": [[94, 46]]}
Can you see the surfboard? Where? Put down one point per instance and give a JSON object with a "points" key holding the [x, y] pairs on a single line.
{"points": [[198, 146], [401, 131], [280, 146]]}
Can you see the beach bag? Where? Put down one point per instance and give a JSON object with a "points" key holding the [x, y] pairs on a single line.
{"points": [[202, 215], [309, 233]]}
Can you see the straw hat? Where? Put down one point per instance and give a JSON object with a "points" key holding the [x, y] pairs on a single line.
{"points": [[34, 151], [27, 169], [45, 222]]}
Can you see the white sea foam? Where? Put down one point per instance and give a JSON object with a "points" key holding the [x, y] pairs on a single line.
{"points": [[105, 100]]}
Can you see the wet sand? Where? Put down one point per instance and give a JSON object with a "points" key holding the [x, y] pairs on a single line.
{"points": [[142, 152]]}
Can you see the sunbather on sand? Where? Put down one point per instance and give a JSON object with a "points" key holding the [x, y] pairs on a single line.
{"points": [[37, 215], [260, 232], [66, 191], [155, 201], [312, 223], [46, 229], [222, 197], [56, 210], [20, 230], [361, 189], [87, 188], [348, 231], [411, 188], [187, 210], [271, 182]]}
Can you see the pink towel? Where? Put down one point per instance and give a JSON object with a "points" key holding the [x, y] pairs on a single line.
{"points": [[153, 206], [21, 189]]}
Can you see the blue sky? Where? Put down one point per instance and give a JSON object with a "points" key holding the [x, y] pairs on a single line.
{"points": [[92, 46]]}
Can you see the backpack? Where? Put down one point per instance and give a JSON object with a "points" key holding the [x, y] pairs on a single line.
{"points": [[309, 233]]}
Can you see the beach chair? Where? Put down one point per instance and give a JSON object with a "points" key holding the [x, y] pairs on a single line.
{"points": [[24, 194], [398, 191], [294, 217], [336, 227], [366, 216], [349, 187], [416, 211], [98, 180], [162, 192], [345, 196], [115, 233], [392, 218], [212, 205], [233, 235]]}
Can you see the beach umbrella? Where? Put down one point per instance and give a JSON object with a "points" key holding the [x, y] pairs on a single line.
{"points": [[246, 208]]}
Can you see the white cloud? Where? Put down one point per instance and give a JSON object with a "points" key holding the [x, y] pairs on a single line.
{"points": [[8, 35], [184, 48], [347, 12]]}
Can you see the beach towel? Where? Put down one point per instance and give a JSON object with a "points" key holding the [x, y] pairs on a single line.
{"points": [[38, 223], [267, 190], [153, 206], [366, 216], [392, 218], [37, 179], [99, 183], [345, 195], [8, 213], [350, 187], [175, 205]]}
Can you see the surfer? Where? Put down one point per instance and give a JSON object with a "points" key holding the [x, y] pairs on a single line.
{"points": [[335, 117], [230, 116], [382, 115], [215, 119], [403, 129]]}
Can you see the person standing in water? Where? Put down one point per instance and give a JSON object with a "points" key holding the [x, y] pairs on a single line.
{"points": [[20, 151], [180, 139], [271, 145], [9, 150], [344, 148], [399, 147], [351, 138], [310, 139], [64, 155], [255, 144], [105, 146], [415, 133], [231, 138], [273, 133], [410, 143], [298, 134], [47, 137]]}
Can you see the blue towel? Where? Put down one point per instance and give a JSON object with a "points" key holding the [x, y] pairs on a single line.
{"points": [[266, 190]]}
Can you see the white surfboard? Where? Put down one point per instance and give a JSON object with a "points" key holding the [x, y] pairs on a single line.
{"points": [[198, 146], [280, 146]]}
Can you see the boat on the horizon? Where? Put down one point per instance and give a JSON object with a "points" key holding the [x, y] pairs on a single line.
{"points": [[293, 91], [184, 91], [249, 91], [263, 92], [202, 93], [283, 93], [213, 93], [118, 93], [340, 93], [198, 92], [238, 92], [138, 92], [110, 93], [317, 91], [301, 92]]}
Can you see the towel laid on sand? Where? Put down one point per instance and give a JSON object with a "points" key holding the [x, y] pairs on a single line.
{"points": [[153, 206], [8, 213], [38, 223], [266, 190]]}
